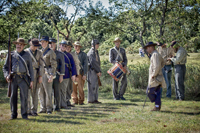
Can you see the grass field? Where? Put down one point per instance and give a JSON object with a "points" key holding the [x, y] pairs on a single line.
{"points": [[111, 116], [193, 58]]}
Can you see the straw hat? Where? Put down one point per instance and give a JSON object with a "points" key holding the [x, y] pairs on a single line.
{"points": [[117, 40], [77, 43]]}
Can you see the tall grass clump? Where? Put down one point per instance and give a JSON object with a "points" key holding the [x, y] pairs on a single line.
{"points": [[192, 81], [2, 79], [138, 79]]}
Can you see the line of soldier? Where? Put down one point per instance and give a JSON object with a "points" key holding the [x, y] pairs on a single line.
{"points": [[46, 70], [64, 72]]}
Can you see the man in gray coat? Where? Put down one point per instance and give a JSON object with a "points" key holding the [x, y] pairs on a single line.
{"points": [[180, 69], [118, 54], [94, 72], [60, 72], [22, 71]]}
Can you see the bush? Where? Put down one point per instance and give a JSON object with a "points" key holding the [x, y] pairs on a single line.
{"points": [[2, 79], [138, 79], [192, 79]]}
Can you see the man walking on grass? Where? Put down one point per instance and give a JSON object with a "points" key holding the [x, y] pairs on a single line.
{"points": [[156, 79]]}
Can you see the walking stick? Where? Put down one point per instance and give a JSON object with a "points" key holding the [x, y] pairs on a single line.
{"points": [[145, 100]]}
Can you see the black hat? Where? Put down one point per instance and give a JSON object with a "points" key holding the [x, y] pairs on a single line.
{"points": [[95, 41], [34, 42], [52, 40], [44, 38], [160, 44], [149, 44], [173, 43]]}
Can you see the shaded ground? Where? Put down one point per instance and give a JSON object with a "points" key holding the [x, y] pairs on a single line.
{"points": [[110, 116]]}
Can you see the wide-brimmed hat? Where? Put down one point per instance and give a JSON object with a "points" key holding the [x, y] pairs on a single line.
{"points": [[44, 38], [77, 43], [35, 42], [52, 40], [161, 44], [117, 40], [95, 41], [20, 41], [149, 44]]}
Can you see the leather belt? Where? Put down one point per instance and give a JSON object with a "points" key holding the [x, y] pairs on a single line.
{"points": [[18, 73]]}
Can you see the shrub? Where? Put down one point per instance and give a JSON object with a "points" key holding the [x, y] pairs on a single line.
{"points": [[2, 79], [138, 79]]}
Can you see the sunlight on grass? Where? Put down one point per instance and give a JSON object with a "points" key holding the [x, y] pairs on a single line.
{"points": [[112, 116]]}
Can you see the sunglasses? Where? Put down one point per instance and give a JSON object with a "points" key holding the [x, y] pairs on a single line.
{"points": [[64, 46]]}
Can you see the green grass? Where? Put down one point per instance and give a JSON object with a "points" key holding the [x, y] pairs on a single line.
{"points": [[132, 58], [110, 116], [193, 58]]}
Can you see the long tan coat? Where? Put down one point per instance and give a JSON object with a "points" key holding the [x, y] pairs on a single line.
{"points": [[37, 63], [50, 60], [77, 62], [155, 70], [166, 53]]}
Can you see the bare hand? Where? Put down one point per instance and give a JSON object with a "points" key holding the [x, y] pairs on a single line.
{"points": [[8, 78], [31, 84], [99, 74], [61, 78], [50, 79], [40, 79], [73, 78], [84, 77]]}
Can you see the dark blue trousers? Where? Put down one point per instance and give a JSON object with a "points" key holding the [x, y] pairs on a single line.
{"points": [[154, 95]]}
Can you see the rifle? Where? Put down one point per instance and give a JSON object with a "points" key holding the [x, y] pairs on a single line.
{"points": [[9, 68], [99, 81], [58, 40]]}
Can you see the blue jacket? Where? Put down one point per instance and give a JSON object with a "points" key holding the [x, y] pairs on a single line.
{"points": [[69, 61]]}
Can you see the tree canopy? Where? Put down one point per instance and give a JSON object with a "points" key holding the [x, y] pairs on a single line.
{"points": [[136, 22]]}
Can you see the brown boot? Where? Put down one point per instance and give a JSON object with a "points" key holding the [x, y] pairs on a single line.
{"points": [[156, 109]]}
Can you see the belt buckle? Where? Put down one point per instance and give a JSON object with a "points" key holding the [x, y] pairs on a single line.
{"points": [[18, 73]]}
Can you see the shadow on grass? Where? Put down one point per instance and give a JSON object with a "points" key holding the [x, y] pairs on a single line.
{"points": [[185, 113], [54, 119]]}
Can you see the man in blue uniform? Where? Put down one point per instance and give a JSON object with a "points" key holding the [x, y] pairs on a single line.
{"points": [[70, 72]]}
